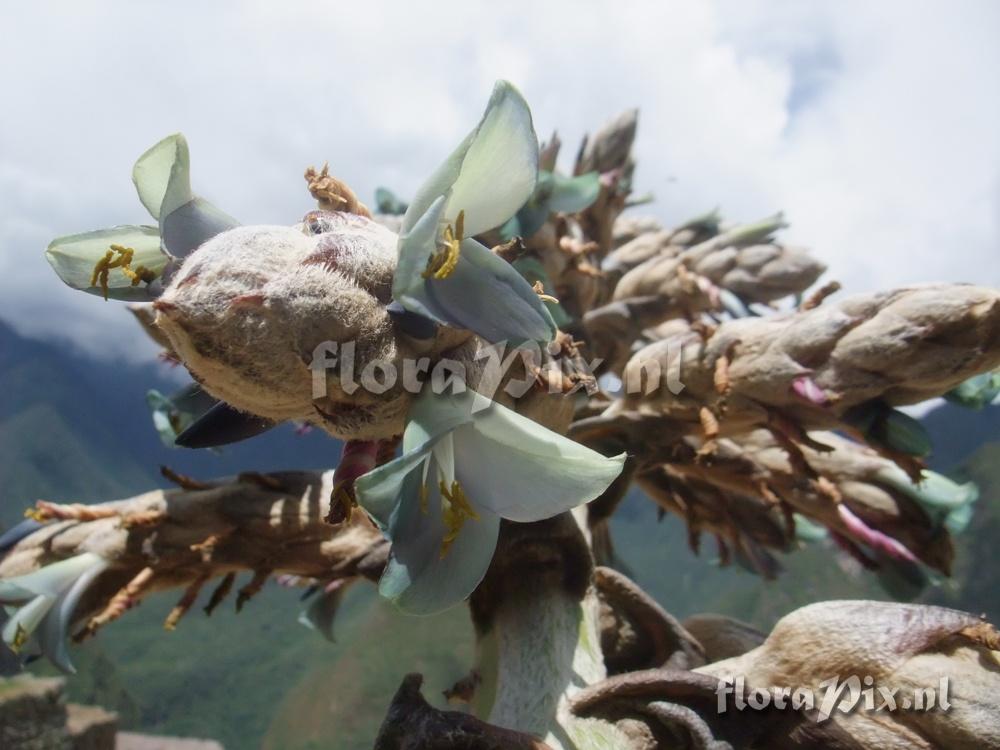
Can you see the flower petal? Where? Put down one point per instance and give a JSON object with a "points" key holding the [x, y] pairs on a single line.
{"points": [[417, 578], [222, 424], [416, 246], [74, 256], [524, 472], [55, 627], [572, 194], [162, 176], [191, 224], [977, 392], [530, 219], [10, 662], [174, 414], [25, 620], [52, 580], [12, 594], [17, 532], [807, 530], [434, 414], [322, 610], [947, 502], [501, 165], [380, 491], [485, 295], [493, 171]]}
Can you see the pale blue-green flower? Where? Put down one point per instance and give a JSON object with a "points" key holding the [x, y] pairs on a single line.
{"points": [[324, 602], [467, 462], [442, 272], [808, 531], [386, 202], [46, 600], [174, 414], [946, 501], [554, 193], [128, 262], [977, 392]]}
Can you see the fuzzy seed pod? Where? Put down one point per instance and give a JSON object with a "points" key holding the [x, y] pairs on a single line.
{"points": [[247, 310]]}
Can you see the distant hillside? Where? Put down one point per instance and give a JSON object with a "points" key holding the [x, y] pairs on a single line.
{"points": [[958, 432], [976, 578], [73, 428]]}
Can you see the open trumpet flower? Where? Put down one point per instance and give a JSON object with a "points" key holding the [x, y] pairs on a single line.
{"points": [[46, 600], [468, 462], [123, 262], [442, 272]]}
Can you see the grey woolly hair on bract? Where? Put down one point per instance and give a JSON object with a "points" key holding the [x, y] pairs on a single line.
{"points": [[247, 309]]}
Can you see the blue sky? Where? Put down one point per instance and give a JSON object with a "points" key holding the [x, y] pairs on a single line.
{"points": [[873, 125]]}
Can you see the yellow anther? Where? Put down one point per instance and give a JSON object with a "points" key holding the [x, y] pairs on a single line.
{"points": [[21, 637], [36, 514], [442, 264], [342, 504], [423, 499], [124, 261], [455, 514], [538, 289]]}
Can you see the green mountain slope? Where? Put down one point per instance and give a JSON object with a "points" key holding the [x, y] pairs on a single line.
{"points": [[41, 456]]}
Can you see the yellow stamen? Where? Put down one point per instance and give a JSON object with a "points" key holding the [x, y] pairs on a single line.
{"points": [[35, 514], [423, 499], [124, 262], [342, 503], [455, 513], [442, 264], [538, 289], [21, 637]]}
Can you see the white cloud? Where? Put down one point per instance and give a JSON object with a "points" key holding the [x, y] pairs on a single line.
{"points": [[872, 124]]}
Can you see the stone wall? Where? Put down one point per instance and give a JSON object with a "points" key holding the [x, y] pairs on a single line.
{"points": [[35, 716]]}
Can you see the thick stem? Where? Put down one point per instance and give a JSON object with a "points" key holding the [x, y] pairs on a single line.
{"points": [[537, 615], [543, 649]]}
